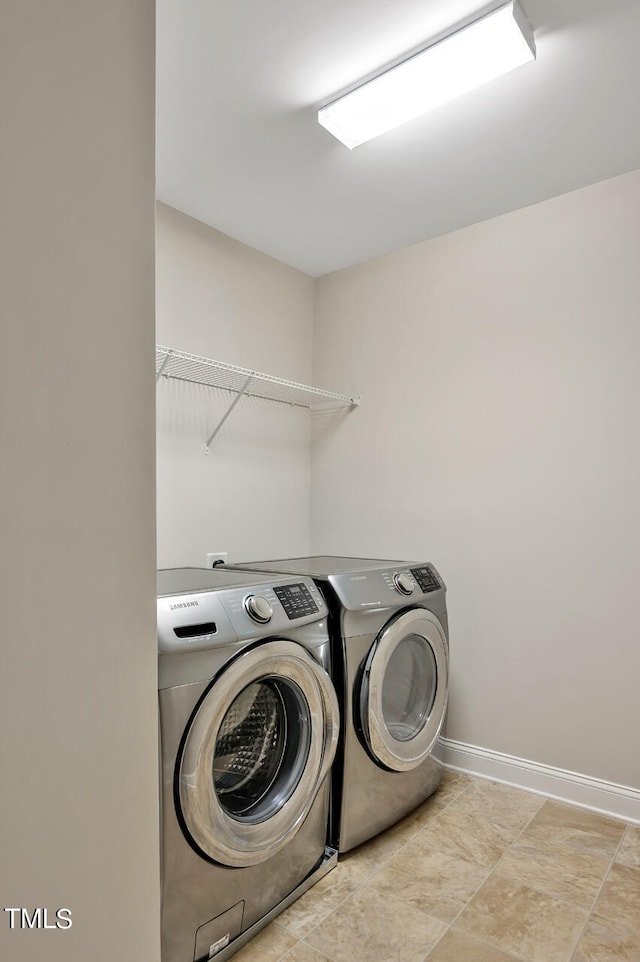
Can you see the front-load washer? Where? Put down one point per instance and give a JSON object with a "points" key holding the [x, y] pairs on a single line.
{"points": [[390, 649], [249, 725]]}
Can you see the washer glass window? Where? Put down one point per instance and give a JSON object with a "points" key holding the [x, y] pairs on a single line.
{"points": [[261, 749], [409, 687]]}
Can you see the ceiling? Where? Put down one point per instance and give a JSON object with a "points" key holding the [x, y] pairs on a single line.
{"points": [[239, 146]]}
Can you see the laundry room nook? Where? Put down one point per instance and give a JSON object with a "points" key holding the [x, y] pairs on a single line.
{"points": [[475, 438], [320, 640]]}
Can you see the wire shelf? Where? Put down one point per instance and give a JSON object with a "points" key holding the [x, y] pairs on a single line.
{"points": [[242, 381], [229, 377]]}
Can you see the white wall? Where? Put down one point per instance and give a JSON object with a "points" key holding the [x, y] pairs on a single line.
{"points": [[498, 437], [251, 495], [78, 701]]}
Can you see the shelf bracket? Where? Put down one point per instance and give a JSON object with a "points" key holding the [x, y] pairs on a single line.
{"points": [[160, 372], [224, 417]]}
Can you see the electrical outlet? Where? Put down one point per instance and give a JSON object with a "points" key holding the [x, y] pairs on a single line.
{"points": [[213, 556]]}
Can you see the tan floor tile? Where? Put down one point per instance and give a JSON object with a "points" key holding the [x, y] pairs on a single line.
{"points": [[423, 814], [369, 926], [434, 882], [517, 919], [456, 946], [620, 897], [382, 847], [555, 869], [304, 953], [452, 784], [373, 853], [323, 897], [605, 941], [467, 836], [629, 851], [508, 807], [577, 829], [269, 945]]}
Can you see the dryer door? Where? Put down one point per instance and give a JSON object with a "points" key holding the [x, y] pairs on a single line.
{"points": [[404, 690], [256, 752]]}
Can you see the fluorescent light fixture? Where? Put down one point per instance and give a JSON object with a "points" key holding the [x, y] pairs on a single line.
{"points": [[471, 56]]}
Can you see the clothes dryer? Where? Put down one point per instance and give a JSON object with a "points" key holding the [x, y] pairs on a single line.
{"points": [[249, 725], [390, 649]]}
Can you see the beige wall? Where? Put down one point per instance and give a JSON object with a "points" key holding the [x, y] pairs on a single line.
{"points": [[77, 701], [250, 496], [498, 437]]}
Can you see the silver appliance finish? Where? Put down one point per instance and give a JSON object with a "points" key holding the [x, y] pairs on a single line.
{"points": [[389, 630], [249, 725]]}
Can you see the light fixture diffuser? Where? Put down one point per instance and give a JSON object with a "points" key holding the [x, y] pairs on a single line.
{"points": [[471, 56]]}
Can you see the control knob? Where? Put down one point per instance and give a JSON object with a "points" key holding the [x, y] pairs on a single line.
{"points": [[403, 583], [258, 608]]}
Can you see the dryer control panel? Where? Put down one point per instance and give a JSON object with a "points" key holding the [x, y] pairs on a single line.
{"points": [[403, 584], [426, 578]]}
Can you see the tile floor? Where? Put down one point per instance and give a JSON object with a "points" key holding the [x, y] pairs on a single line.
{"points": [[479, 873]]}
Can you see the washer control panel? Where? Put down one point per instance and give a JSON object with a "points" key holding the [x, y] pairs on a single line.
{"points": [[200, 609], [426, 579], [296, 600]]}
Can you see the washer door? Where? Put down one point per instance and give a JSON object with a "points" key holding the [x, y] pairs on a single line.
{"points": [[256, 752], [404, 690]]}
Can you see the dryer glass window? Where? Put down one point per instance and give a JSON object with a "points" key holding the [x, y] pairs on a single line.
{"points": [[409, 687], [261, 749]]}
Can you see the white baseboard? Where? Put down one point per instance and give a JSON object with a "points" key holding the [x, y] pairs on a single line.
{"points": [[606, 798]]}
